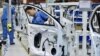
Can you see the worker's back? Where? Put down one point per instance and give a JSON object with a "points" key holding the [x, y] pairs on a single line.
{"points": [[39, 18], [5, 11]]}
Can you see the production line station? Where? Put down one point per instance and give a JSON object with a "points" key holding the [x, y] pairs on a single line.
{"points": [[50, 29]]}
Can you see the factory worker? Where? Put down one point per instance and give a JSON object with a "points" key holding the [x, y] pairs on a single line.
{"points": [[8, 29], [39, 17]]}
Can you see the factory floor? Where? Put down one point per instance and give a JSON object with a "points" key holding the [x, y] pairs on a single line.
{"points": [[15, 50]]}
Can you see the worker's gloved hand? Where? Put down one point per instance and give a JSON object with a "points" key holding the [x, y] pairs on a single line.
{"points": [[9, 27]]}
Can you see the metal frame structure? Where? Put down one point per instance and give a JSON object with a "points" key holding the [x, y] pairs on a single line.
{"points": [[67, 25], [84, 16], [58, 29], [94, 34]]}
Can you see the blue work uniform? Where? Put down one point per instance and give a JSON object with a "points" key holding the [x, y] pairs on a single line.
{"points": [[4, 20], [39, 18]]}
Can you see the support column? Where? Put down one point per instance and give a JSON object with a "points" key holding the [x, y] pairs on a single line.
{"points": [[84, 17]]}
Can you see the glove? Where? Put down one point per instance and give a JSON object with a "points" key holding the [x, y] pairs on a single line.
{"points": [[9, 27]]}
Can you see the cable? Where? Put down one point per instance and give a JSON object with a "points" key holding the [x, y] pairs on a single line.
{"points": [[44, 47], [48, 41]]}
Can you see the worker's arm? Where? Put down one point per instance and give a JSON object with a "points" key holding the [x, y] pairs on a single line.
{"points": [[43, 16], [37, 20]]}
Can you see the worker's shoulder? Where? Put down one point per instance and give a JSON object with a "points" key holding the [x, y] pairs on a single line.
{"points": [[39, 13]]}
